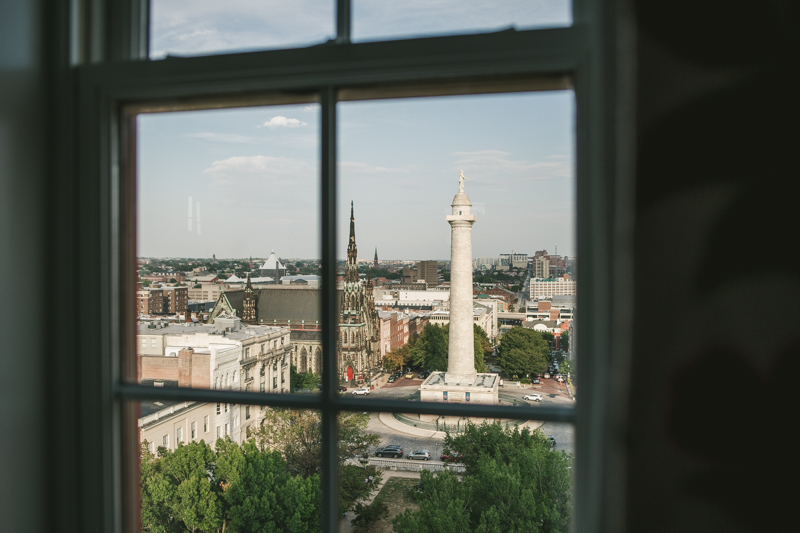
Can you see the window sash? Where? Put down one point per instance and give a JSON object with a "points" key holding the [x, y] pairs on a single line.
{"points": [[109, 94]]}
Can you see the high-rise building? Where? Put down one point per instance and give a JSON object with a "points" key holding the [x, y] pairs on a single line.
{"points": [[427, 271], [541, 267]]}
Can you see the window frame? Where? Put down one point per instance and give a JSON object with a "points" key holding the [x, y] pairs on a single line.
{"points": [[105, 69]]}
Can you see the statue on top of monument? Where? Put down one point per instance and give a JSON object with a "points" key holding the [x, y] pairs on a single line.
{"points": [[461, 179]]}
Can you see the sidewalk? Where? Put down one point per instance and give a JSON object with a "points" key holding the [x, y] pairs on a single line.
{"points": [[346, 525]]}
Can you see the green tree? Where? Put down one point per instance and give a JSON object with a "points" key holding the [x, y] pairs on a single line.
{"points": [[443, 506], [263, 496], [177, 490], [513, 483], [431, 349], [399, 357], [523, 351], [369, 514], [352, 487], [302, 380], [297, 435]]}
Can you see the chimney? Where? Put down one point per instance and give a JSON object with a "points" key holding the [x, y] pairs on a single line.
{"points": [[185, 367]]}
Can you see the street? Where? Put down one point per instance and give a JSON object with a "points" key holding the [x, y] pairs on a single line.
{"points": [[553, 394]]}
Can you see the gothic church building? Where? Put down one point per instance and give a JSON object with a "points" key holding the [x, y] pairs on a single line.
{"points": [[298, 307]]}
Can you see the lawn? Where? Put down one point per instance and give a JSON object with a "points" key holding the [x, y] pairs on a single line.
{"points": [[395, 494]]}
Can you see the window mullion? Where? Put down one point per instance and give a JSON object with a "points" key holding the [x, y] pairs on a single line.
{"points": [[330, 471], [343, 18]]}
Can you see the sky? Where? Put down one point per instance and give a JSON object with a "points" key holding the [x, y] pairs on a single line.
{"points": [[191, 27], [252, 175]]}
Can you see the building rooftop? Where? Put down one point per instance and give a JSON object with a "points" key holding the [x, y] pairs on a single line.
{"points": [[189, 328]]}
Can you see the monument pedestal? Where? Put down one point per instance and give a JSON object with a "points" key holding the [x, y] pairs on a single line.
{"points": [[482, 389]]}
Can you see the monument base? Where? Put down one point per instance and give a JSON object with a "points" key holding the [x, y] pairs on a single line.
{"points": [[483, 389]]}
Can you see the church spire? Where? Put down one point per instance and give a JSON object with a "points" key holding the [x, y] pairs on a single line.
{"points": [[352, 251], [249, 304]]}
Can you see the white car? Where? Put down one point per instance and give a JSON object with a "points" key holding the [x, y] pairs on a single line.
{"points": [[360, 391], [533, 397]]}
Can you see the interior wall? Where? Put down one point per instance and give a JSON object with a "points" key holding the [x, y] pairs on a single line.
{"points": [[717, 275], [23, 196]]}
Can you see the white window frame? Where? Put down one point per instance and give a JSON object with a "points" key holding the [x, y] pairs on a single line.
{"points": [[107, 42]]}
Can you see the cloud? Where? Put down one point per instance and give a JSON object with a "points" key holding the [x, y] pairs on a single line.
{"points": [[363, 168], [494, 164], [262, 170], [224, 137], [283, 122]]}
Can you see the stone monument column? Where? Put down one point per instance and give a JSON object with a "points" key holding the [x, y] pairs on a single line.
{"points": [[461, 359]]}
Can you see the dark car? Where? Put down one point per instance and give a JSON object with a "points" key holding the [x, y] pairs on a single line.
{"points": [[423, 455], [391, 379], [342, 388], [389, 451], [552, 440], [454, 457], [535, 381]]}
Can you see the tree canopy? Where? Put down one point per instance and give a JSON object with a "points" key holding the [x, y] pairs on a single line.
{"points": [[513, 482], [297, 434], [398, 358], [523, 351], [303, 380], [239, 489], [431, 348]]}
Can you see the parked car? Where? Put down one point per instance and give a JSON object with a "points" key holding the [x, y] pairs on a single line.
{"points": [[391, 379], [341, 388], [546, 375], [361, 391], [454, 457], [391, 450], [423, 455], [533, 397], [535, 381], [552, 440], [424, 374], [410, 375]]}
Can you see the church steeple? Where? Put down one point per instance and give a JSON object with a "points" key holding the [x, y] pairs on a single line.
{"points": [[352, 251], [375, 263], [249, 304]]}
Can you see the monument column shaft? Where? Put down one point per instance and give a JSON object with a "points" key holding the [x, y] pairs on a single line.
{"points": [[461, 359]]}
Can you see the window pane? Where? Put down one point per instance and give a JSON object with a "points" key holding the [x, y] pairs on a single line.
{"points": [[228, 247], [199, 27], [416, 256], [513, 479], [238, 480], [384, 19]]}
